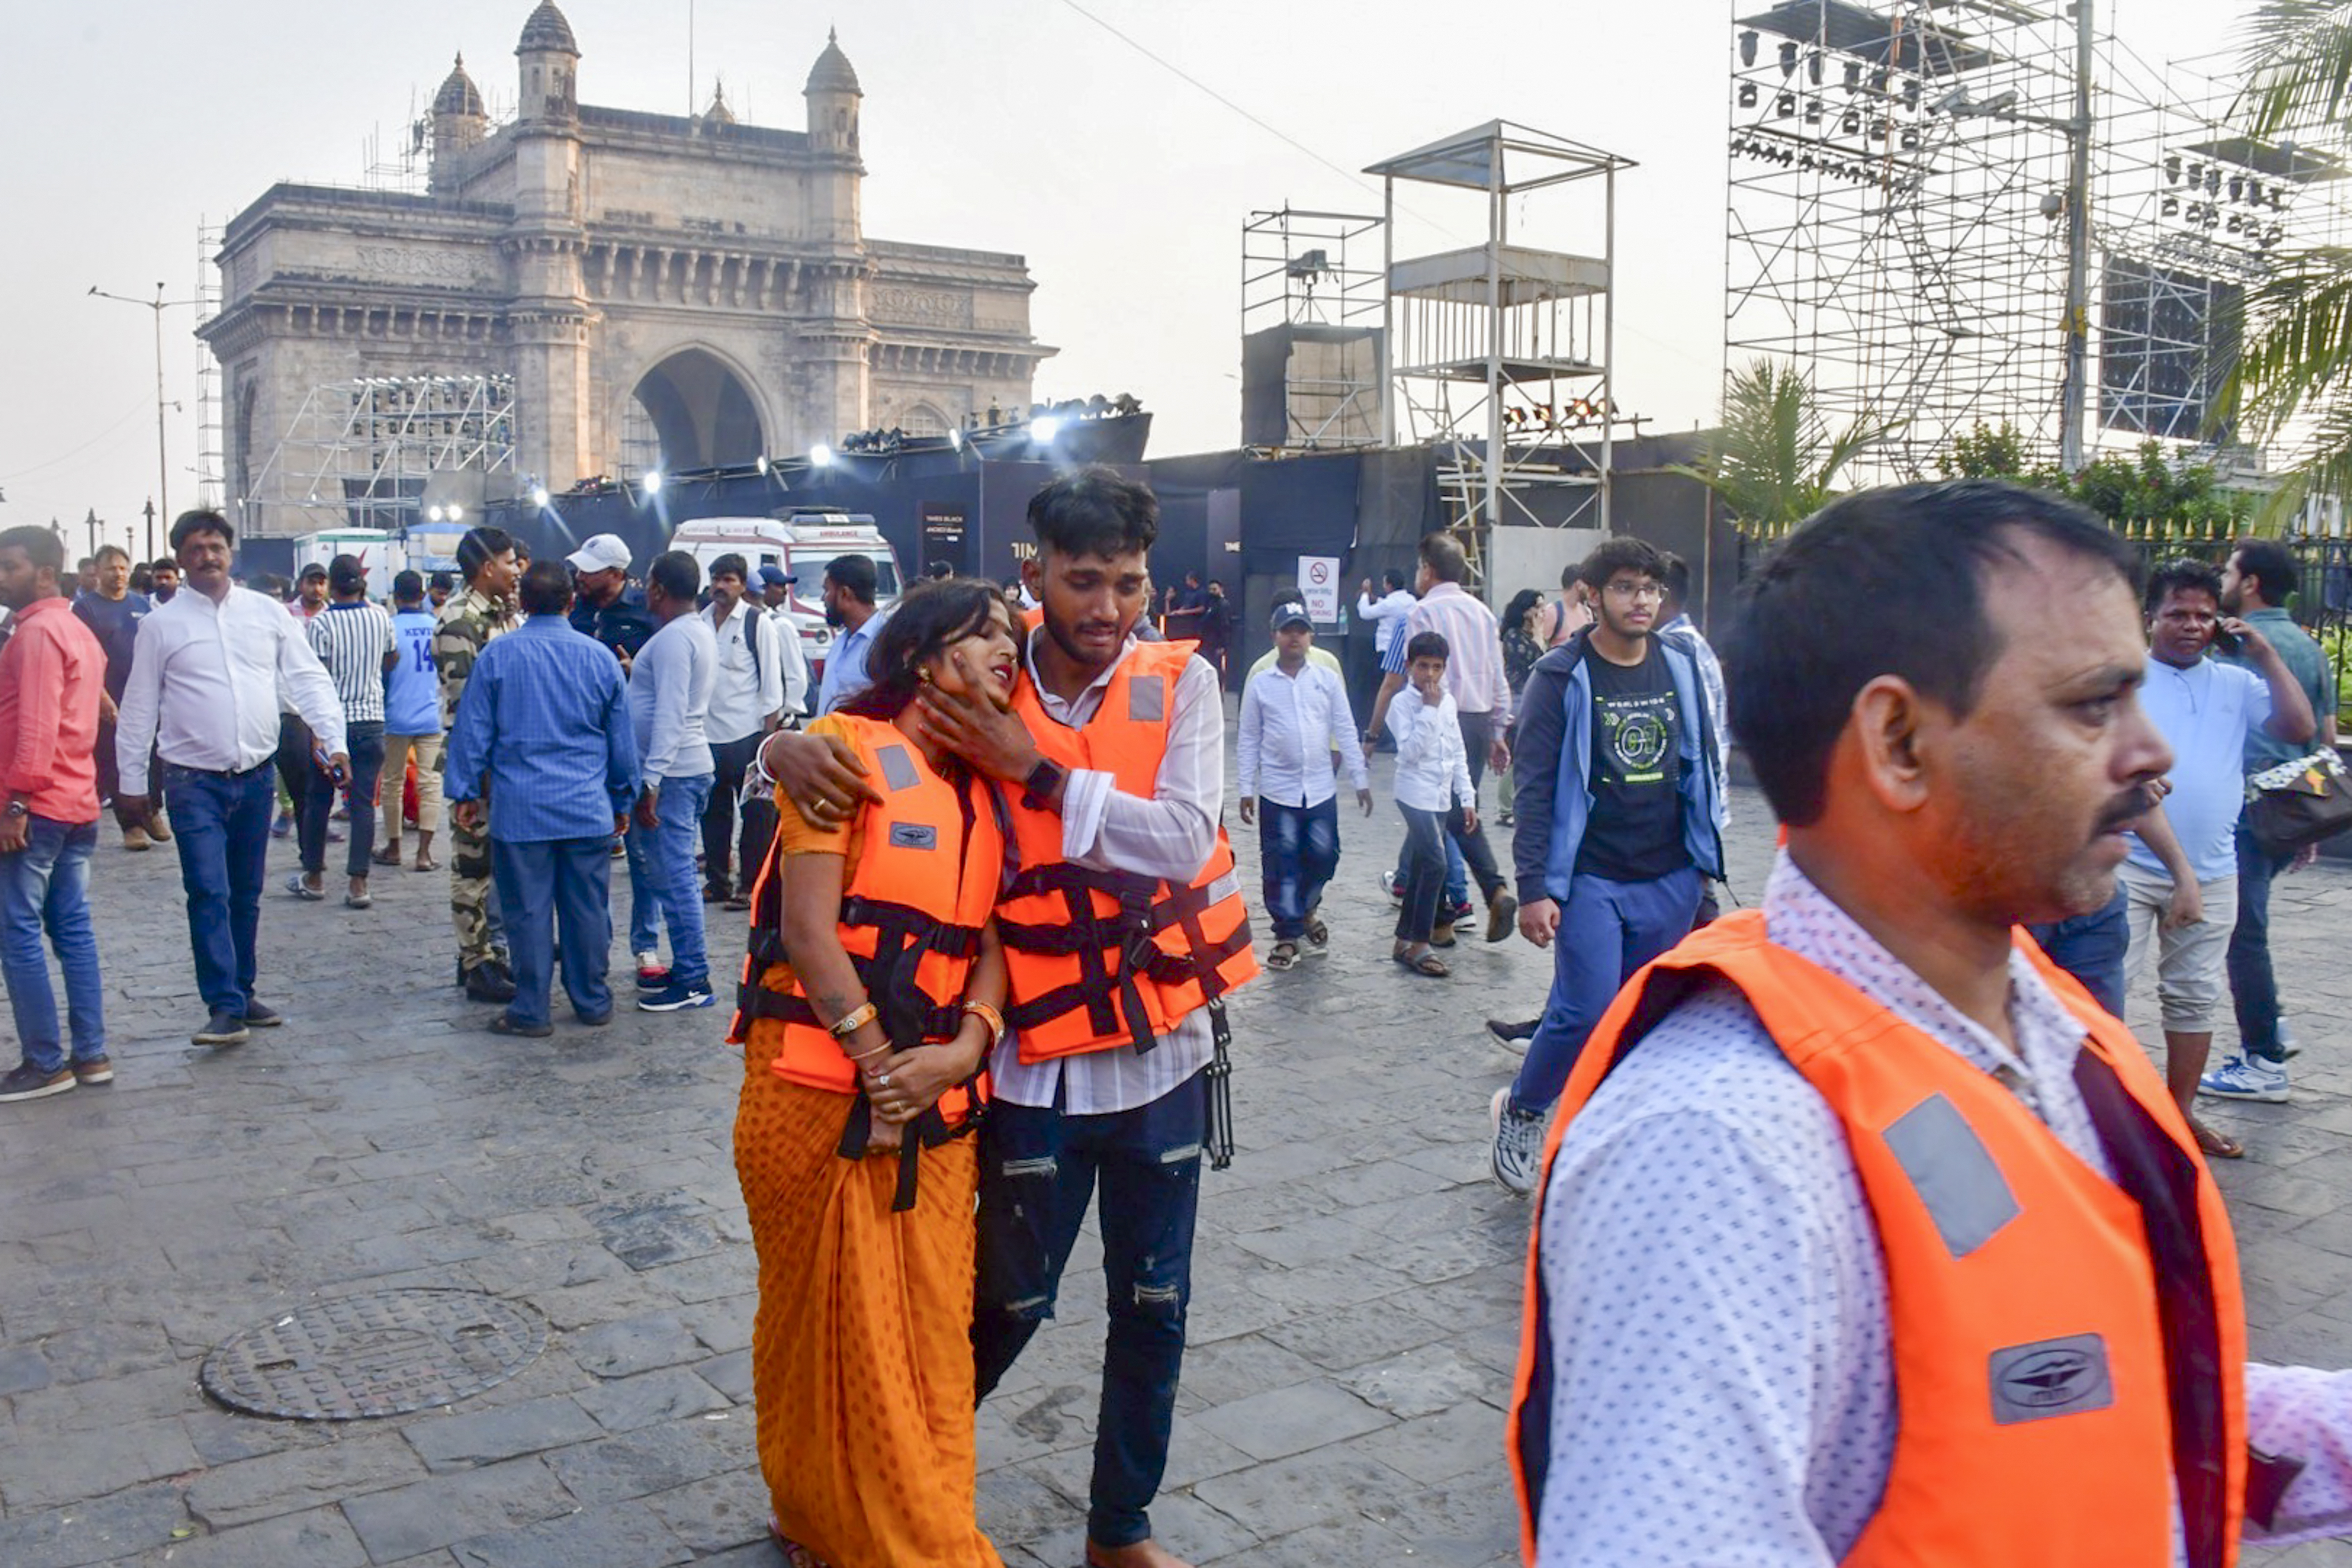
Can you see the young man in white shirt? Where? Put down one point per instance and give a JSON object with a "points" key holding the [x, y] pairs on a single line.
{"points": [[1439, 803], [1293, 712], [669, 701], [747, 697], [206, 678]]}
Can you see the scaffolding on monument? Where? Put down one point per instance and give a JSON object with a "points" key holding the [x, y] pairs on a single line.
{"points": [[1897, 223], [1502, 351], [359, 454], [209, 435], [1313, 296]]}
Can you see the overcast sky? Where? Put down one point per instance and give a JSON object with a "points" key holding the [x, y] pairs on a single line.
{"points": [[1021, 125]]}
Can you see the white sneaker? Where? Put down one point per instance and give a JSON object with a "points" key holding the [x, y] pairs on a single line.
{"points": [[650, 964], [1516, 1159], [2244, 1076]]}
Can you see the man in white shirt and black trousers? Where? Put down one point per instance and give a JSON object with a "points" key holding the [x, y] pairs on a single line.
{"points": [[751, 691], [205, 677]]}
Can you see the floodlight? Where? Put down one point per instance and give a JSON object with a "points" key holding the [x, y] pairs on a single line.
{"points": [[1043, 430], [456, 513], [652, 481], [955, 438], [432, 514], [761, 465], [820, 455], [539, 495]]}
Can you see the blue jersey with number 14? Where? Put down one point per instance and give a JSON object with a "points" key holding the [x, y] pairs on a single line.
{"points": [[411, 692]]}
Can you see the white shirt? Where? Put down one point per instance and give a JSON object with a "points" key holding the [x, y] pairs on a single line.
{"points": [[1288, 726], [1386, 614], [745, 691], [669, 700], [1432, 771], [1718, 1301], [1170, 834], [794, 662], [207, 683]]}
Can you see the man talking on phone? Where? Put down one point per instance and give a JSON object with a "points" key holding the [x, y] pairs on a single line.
{"points": [[205, 674]]}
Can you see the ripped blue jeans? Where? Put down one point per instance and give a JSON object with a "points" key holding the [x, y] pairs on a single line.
{"points": [[1038, 1171]]}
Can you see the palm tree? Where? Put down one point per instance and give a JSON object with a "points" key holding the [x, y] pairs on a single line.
{"points": [[2295, 337], [1772, 461]]}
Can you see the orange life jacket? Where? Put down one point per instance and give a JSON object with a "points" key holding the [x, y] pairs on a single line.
{"points": [[2068, 1351], [1095, 959], [929, 872]]}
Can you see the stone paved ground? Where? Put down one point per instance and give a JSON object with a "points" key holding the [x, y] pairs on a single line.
{"points": [[1352, 1332]]}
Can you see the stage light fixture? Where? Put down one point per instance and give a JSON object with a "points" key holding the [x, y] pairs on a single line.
{"points": [[955, 438], [2253, 193], [820, 455], [760, 466], [1878, 80], [2172, 207], [1813, 68], [1812, 111], [456, 513], [652, 482], [2213, 182], [1043, 431], [1852, 76], [1850, 122], [2172, 169], [539, 495], [1788, 58], [2237, 188], [1785, 105], [432, 514], [1911, 93], [1910, 139], [1746, 95], [1747, 48]]}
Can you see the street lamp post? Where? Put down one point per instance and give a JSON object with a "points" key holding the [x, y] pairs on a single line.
{"points": [[159, 305]]}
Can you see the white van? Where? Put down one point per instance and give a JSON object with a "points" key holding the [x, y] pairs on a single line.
{"points": [[801, 543], [380, 554]]}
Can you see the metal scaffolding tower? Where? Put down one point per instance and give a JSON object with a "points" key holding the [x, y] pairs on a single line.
{"points": [[1935, 205], [360, 454], [1501, 350], [1313, 297], [209, 436]]}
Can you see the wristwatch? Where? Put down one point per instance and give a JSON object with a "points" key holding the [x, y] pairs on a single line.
{"points": [[19, 808], [1037, 789]]}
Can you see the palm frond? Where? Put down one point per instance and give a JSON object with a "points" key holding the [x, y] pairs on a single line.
{"points": [[2298, 64]]}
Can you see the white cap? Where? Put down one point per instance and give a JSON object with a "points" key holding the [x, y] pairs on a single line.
{"points": [[602, 552]]}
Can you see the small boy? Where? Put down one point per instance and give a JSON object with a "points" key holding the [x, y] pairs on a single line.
{"points": [[1434, 795], [1293, 714]]}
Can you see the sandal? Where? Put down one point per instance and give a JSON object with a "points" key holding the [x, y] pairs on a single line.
{"points": [[426, 863], [1283, 956], [387, 856], [1317, 933], [1424, 963], [302, 889], [2216, 1145]]}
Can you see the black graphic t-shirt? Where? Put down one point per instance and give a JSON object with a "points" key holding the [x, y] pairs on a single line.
{"points": [[1635, 834]]}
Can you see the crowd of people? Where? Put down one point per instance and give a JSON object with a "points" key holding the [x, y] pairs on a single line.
{"points": [[1870, 1147]]}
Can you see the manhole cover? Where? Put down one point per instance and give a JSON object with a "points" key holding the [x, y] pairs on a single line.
{"points": [[378, 1354]]}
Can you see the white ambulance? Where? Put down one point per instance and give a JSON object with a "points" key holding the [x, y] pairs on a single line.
{"points": [[801, 543]]}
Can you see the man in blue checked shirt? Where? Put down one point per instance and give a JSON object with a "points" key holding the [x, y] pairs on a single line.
{"points": [[543, 734]]}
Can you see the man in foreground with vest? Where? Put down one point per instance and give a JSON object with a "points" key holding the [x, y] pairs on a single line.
{"points": [[1122, 932], [1859, 1213]]}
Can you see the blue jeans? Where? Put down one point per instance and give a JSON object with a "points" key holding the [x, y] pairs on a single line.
{"points": [[45, 887], [221, 823], [364, 744], [1038, 1174], [1607, 930], [1298, 850], [2091, 948], [557, 893], [2254, 987], [663, 888]]}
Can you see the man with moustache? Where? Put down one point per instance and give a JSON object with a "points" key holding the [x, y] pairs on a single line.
{"points": [[2207, 710], [1858, 1208]]}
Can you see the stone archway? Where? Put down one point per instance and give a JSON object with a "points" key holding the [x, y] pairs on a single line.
{"points": [[691, 410]]}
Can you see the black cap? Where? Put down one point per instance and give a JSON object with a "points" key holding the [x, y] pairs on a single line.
{"points": [[345, 575], [408, 585]]}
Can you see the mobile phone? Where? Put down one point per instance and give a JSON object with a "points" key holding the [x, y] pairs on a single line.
{"points": [[2227, 641]]}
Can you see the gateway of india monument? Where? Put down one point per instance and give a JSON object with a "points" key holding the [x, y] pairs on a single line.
{"points": [[587, 292]]}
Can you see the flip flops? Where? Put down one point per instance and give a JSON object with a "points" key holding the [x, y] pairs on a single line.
{"points": [[303, 890]]}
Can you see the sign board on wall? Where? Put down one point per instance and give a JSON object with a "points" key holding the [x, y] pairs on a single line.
{"points": [[1318, 579]]}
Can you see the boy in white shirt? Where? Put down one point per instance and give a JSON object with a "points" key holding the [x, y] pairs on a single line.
{"points": [[1293, 714], [1434, 795]]}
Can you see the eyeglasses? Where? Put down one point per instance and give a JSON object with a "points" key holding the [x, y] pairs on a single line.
{"points": [[1636, 590]]}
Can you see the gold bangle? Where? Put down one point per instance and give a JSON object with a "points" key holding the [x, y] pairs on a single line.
{"points": [[876, 1051], [856, 1018], [989, 1015]]}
